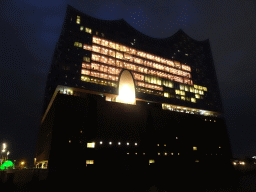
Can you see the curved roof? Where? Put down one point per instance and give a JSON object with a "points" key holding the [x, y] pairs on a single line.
{"points": [[123, 24]]}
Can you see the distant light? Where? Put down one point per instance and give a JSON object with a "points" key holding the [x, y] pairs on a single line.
{"points": [[119, 143], [110, 143], [100, 142], [135, 143], [127, 143], [254, 157]]}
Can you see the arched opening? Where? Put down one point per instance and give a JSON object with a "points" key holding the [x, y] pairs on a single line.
{"points": [[126, 89]]}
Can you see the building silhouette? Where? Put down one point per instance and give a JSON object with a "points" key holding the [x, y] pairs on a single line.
{"points": [[174, 120]]}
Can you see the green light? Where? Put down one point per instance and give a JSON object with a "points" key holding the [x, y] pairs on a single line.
{"points": [[7, 164]]}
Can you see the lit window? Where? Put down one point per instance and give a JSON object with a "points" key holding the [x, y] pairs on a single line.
{"points": [[88, 30], [143, 153], [197, 96], [219, 146], [157, 144], [81, 28], [87, 59], [78, 21], [76, 44], [151, 161], [171, 153], [166, 94], [193, 100], [197, 161], [89, 162], [182, 98], [181, 87], [165, 154], [81, 131], [194, 148], [90, 145], [127, 153], [178, 153]]}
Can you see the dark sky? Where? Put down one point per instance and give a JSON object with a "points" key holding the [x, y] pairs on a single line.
{"points": [[30, 29]]}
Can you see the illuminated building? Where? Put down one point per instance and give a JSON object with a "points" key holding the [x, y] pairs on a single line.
{"points": [[174, 110]]}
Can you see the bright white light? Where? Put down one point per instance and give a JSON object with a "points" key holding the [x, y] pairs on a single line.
{"points": [[110, 143], [127, 143], [126, 89], [101, 142], [126, 95], [135, 143], [254, 157]]}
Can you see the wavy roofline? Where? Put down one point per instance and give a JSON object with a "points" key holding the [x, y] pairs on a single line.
{"points": [[122, 20]]}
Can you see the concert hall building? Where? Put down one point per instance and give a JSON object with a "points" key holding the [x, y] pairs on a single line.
{"points": [[118, 98]]}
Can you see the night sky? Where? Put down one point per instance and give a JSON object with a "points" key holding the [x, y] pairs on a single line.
{"points": [[30, 29]]}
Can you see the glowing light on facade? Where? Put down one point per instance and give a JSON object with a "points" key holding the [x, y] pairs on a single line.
{"points": [[126, 89]]}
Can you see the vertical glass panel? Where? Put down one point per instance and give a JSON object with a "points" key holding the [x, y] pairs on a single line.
{"points": [[112, 45], [119, 55], [111, 53], [103, 59]]}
